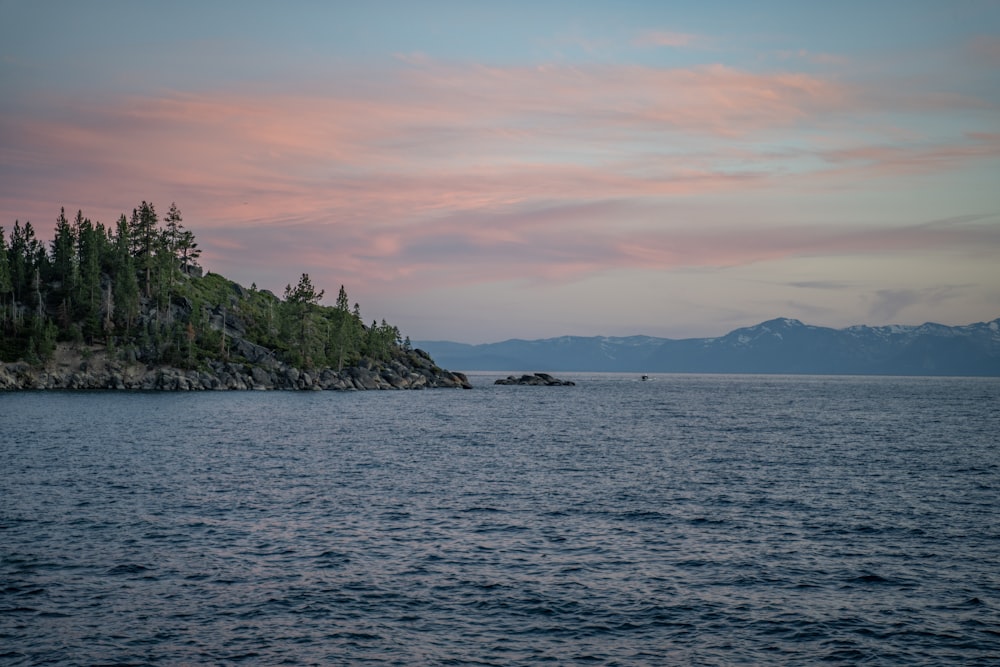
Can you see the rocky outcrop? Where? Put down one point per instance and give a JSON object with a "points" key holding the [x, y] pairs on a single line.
{"points": [[91, 368], [536, 379]]}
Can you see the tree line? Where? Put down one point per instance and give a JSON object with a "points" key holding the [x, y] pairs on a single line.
{"points": [[137, 289]]}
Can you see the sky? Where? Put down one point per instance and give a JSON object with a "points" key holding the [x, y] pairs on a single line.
{"points": [[479, 171]]}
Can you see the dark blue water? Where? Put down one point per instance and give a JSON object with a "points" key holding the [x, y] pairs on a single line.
{"points": [[687, 520]]}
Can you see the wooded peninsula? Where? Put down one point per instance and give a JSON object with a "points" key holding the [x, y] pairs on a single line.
{"points": [[130, 307]]}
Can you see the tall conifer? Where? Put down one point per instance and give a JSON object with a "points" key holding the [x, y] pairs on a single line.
{"points": [[64, 256], [6, 284], [126, 287]]}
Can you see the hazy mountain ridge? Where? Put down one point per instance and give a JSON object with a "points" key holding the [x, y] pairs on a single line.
{"points": [[780, 345]]}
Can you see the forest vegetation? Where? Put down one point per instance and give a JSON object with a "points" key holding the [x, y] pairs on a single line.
{"points": [[137, 290]]}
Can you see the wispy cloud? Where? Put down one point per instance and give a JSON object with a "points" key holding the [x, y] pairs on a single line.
{"points": [[436, 138], [887, 304], [813, 57], [667, 38], [562, 244], [444, 172], [821, 284]]}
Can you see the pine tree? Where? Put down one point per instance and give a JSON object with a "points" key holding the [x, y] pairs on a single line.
{"points": [[20, 259], [6, 284], [172, 226], [343, 305], [304, 292], [165, 270], [64, 256], [144, 236], [169, 244], [298, 304], [126, 287], [380, 340], [344, 338], [38, 300], [89, 242], [188, 251]]}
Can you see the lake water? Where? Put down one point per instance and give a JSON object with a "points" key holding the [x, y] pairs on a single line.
{"points": [[703, 520]]}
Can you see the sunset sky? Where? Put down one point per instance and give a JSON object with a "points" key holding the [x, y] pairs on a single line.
{"points": [[477, 171]]}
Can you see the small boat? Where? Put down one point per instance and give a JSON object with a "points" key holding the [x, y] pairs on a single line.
{"points": [[645, 377]]}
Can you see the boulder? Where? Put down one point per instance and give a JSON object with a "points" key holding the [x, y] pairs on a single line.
{"points": [[261, 378]]}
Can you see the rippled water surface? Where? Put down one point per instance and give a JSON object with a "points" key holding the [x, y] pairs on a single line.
{"points": [[685, 520]]}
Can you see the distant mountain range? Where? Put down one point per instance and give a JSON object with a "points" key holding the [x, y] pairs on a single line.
{"points": [[778, 346]]}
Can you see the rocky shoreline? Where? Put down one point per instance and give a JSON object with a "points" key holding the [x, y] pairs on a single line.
{"points": [[90, 368]]}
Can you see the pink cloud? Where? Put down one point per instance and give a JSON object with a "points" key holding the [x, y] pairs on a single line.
{"points": [[445, 173], [566, 243], [888, 160], [665, 38], [734, 246], [710, 99], [453, 139], [289, 157]]}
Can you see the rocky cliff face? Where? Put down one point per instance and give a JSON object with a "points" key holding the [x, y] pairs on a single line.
{"points": [[91, 368]]}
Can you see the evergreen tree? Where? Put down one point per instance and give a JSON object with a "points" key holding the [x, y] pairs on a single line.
{"points": [[304, 292], [172, 226], [298, 304], [64, 256], [125, 285], [380, 340], [37, 295], [104, 237], [22, 259], [167, 251], [343, 305], [188, 251], [165, 271], [89, 242], [6, 284], [180, 241], [144, 237], [345, 331], [78, 223]]}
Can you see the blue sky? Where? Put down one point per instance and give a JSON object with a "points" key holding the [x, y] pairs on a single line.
{"points": [[479, 171]]}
